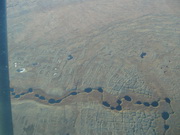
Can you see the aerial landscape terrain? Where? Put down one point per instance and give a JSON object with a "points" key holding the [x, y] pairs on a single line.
{"points": [[94, 67]]}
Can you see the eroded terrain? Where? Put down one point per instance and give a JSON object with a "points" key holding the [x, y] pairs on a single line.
{"points": [[62, 52]]}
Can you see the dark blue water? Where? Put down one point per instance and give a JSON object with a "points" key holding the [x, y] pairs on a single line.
{"points": [[154, 103], [58, 101], [119, 108], [73, 93], [167, 100], [17, 96], [42, 97], [127, 98], [13, 93], [100, 89], [36, 95], [166, 127], [146, 104], [143, 54], [52, 101], [30, 90], [165, 115], [34, 64], [23, 93], [70, 57], [119, 101], [139, 102], [19, 70], [105, 103], [112, 108], [88, 90]]}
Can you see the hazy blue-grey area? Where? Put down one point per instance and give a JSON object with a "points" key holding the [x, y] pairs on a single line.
{"points": [[5, 104], [94, 67]]}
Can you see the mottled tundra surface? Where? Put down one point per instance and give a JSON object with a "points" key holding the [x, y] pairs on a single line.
{"points": [[88, 62]]}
